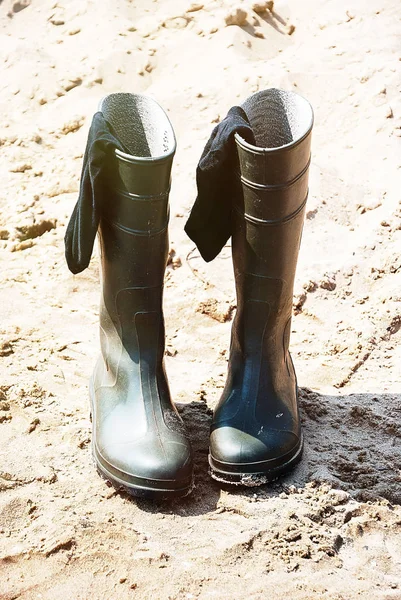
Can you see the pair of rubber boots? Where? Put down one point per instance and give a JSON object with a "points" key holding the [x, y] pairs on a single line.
{"points": [[139, 439]]}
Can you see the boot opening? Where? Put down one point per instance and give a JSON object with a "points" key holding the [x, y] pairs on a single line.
{"points": [[278, 118], [140, 124]]}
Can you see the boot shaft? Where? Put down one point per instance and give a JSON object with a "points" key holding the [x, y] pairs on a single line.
{"points": [[274, 180], [133, 232], [139, 441], [269, 216], [282, 124]]}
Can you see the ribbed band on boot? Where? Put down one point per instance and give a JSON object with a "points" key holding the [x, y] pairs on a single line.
{"points": [[141, 181], [144, 129], [274, 173]]}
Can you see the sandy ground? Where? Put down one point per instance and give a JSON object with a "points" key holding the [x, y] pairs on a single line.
{"points": [[332, 528]]}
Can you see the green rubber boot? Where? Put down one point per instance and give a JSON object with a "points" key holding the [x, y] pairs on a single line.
{"points": [[256, 430], [139, 440]]}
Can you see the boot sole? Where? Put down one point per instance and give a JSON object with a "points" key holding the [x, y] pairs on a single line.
{"points": [[252, 478], [150, 488], [137, 491]]}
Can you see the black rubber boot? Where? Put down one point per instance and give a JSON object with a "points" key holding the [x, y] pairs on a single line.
{"points": [[256, 431], [139, 441]]}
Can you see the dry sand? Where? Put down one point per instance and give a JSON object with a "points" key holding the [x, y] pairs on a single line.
{"points": [[332, 528]]}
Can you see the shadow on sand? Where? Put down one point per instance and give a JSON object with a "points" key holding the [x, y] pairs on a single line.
{"points": [[352, 442]]}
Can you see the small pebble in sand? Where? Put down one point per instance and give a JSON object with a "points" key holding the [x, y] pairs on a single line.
{"points": [[56, 22], [194, 7], [220, 311], [20, 5], [176, 23], [21, 168], [388, 112], [70, 84], [236, 16], [173, 260], [22, 246], [72, 125], [328, 283], [310, 286], [261, 7], [5, 350], [31, 230], [368, 205], [298, 302], [33, 425]]}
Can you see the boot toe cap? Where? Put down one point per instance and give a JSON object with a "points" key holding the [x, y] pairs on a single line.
{"points": [[242, 450], [148, 462]]}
